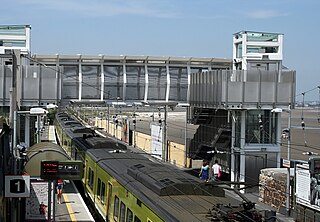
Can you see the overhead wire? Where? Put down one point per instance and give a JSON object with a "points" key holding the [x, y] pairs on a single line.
{"points": [[203, 197], [302, 94]]}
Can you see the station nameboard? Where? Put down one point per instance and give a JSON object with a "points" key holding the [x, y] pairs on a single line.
{"points": [[64, 170]]}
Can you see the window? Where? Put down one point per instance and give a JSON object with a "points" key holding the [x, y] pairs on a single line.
{"points": [[157, 82], [116, 208], [90, 178], [129, 216], [113, 81], [103, 192], [99, 187], [261, 49], [239, 51], [139, 202], [136, 219], [70, 86], [122, 212], [261, 127], [178, 83], [91, 82]]}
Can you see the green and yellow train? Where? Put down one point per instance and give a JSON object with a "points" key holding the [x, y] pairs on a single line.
{"points": [[126, 185]]}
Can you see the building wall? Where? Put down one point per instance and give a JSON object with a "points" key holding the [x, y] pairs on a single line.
{"points": [[177, 154], [176, 151], [273, 187], [143, 142]]}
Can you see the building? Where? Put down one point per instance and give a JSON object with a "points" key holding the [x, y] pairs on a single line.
{"points": [[235, 108], [232, 100], [15, 37]]}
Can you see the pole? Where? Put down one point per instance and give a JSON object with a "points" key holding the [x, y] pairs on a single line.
{"points": [[38, 128], [49, 200], [108, 118], [54, 202], [13, 108], [165, 145], [14, 145], [134, 128], [13, 90], [186, 139], [289, 158]]}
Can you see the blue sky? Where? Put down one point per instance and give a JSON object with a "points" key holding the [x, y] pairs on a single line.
{"points": [[197, 28]]}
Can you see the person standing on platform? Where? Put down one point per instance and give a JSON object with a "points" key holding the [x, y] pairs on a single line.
{"points": [[216, 171], [204, 172], [59, 190]]}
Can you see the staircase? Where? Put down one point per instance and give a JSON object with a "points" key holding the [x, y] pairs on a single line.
{"points": [[214, 133]]}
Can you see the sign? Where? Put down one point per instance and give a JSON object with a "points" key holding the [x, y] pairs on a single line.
{"points": [[156, 140], [17, 186], [286, 163], [65, 170], [302, 185], [37, 205], [307, 187]]}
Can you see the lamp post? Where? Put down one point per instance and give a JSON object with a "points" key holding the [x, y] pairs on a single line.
{"points": [[33, 111], [108, 118], [289, 158], [134, 128], [278, 110]]}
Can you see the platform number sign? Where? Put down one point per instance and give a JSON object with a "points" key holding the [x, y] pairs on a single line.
{"points": [[17, 186]]}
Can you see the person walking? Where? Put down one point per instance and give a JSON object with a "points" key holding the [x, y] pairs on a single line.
{"points": [[216, 170], [59, 190], [204, 172]]}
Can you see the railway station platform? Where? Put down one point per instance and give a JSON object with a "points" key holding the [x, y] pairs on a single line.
{"points": [[72, 207]]}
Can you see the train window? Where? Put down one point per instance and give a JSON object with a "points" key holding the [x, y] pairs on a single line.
{"points": [[129, 215], [136, 219], [116, 208], [122, 212], [91, 180], [139, 202], [89, 176], [99, 187], [103, 192], [109, 193]]}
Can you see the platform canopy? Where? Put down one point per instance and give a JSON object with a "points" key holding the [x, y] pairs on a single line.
{"points": [[43, 151]]}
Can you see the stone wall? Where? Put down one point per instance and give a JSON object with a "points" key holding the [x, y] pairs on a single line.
{"points": [[273, 184]]}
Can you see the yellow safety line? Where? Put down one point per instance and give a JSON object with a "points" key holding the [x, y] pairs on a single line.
{"points": [[50, 133], [69, 208]]}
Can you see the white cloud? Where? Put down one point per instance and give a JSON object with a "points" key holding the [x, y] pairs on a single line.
{"points": [[103, 8], [265, 14]]}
